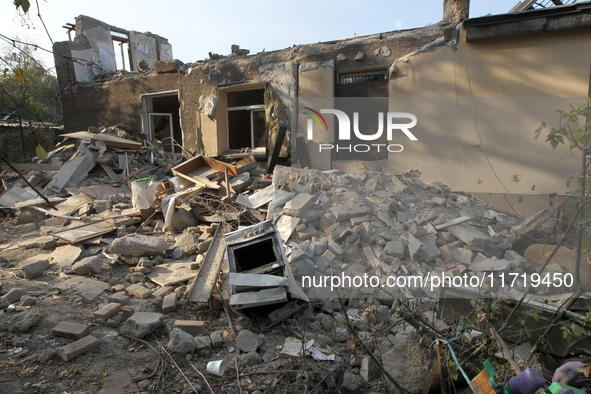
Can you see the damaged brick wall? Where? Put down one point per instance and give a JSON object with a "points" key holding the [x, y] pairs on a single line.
{"points": [[116, 98]]}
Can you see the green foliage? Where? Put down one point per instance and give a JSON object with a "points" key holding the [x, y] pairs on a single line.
{"points": [[575, 127], [27, 83], [23, 4]]}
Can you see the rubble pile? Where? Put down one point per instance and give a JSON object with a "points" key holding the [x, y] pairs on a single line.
{"points": [[131, 256]]}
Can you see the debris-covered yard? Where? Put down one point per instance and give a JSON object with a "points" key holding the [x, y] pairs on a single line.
{"points": [[132, 269]]}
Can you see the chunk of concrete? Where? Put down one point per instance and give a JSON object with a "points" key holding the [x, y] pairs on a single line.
{"points": [[336, 248], [47, 355], [89, 265], [411, 371], [182, 219], [119, 298], [87, 288], [469, 235], [119, 382], [429, 252], [247, 341], [249, 360], [187, 243], [352, 382], [169, 303], [32, 267], [139, 291], [298, 205], [342, 212], [141, 324], [181, 342], [107, 311], [138, 245], [12, 296], [395, 248]]}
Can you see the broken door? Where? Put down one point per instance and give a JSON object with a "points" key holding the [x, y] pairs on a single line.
{"points": [[161, 128]]}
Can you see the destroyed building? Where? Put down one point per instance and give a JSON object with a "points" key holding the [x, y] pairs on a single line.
{"points": [[479, 87], [129, 266]]}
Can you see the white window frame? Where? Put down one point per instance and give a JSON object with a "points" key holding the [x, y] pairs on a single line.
{"points": [[145, 119]]}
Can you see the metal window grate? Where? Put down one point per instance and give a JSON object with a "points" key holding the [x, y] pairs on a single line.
{"points": [[537, 4], [377, 75]]}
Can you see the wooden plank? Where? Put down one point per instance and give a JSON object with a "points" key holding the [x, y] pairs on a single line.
{"points": [[171, 274], [102, 192], [246, 164], [532, 223], [198, 180], [72, 204], [209, 271], [109, 140], [453, 222], [109, 171], [34, 166], [274, 155], [85, 232], [227, 182], [186, 168]]}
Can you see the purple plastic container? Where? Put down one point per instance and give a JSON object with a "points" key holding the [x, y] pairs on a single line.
{"points": [[527, 382], [566, 391]]}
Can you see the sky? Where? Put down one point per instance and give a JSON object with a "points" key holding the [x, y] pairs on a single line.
{"points": [[195, 28]]}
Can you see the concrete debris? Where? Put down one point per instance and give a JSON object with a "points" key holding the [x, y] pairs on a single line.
{"points": [[70, 330], [12, 296], [138, 245], [146, 232], [247, 341], [193, 327], [410, 372], [353, 382], [249, 360], [89, 265], [181, 342], [76, 349], [141, 324]]}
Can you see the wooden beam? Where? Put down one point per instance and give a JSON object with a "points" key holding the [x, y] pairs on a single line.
{"points": [[209, 271]]}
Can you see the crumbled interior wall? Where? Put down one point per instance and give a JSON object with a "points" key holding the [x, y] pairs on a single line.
{"points": [[93, 45]]}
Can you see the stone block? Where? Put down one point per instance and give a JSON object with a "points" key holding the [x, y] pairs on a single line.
{"points": [[70, 330], [139, 291], [78, 348], [107, 311], [469, 235], [119, 298], [193, 327], [126, 313], [298, 205], [169, 303]]}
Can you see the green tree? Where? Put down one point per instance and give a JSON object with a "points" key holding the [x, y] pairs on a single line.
{"points": [[26, 84]]}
